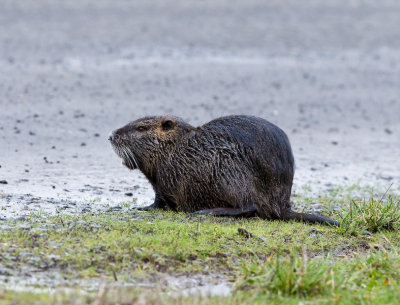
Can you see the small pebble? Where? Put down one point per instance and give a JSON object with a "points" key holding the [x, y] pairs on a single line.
{"points": [[113, 209], [86, 209], [388, 131]]}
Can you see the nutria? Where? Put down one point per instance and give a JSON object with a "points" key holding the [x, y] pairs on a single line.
{"points": [[238, 166]]}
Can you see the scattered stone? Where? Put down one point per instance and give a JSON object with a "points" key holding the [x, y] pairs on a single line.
{"points": [[314, 230], [86, 209], [387, 178], [114, 209], [78, 115], [276, 85], [245, 233], [388, 131], [129, 194], [334, 142], [366, 233], [83, 144], [4, 271], [3, 182]]}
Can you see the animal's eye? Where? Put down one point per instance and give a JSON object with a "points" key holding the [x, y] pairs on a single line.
{"points": [[141, 128], [167, 125]]}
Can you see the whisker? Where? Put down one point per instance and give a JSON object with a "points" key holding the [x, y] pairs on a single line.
{"points": [[127, 159], [132, 156], [126, 154]]}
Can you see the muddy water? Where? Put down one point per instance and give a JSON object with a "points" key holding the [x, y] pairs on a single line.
{"points": [[54, 282]]}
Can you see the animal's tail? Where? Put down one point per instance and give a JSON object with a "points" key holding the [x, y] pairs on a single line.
{"points": [[311, 218]]}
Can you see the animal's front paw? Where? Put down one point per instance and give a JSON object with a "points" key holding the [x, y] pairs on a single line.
{"points": [[146, 208]]}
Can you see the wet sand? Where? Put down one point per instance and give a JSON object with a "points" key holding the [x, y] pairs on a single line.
{"points": [[327, 72]]}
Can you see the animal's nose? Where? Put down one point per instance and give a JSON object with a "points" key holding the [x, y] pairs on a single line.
{"points": [[111, 136]]}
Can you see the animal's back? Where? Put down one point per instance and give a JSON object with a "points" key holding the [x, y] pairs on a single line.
{"points": [[265, 143]]}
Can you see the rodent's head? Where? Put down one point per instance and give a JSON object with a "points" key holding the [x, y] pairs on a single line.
{"points": [[142, 142]]}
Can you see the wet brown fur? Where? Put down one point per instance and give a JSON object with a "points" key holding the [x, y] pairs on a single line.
{"points": [[231, 166]]}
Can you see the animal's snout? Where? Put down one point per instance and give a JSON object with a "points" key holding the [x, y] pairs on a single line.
{"points": [[112, 136]]}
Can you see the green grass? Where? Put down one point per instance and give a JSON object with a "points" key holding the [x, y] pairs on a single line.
{"points": [[370, 215], [362, 279], [282, 262]]}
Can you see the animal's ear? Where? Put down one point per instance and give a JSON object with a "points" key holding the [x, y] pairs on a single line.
{"points": [[167, 125]]}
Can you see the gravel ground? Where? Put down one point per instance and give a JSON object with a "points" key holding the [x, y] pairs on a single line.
{"points": [[327, 72]]}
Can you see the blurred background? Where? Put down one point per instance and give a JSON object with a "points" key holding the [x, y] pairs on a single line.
{"points": [[327, 72]]}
